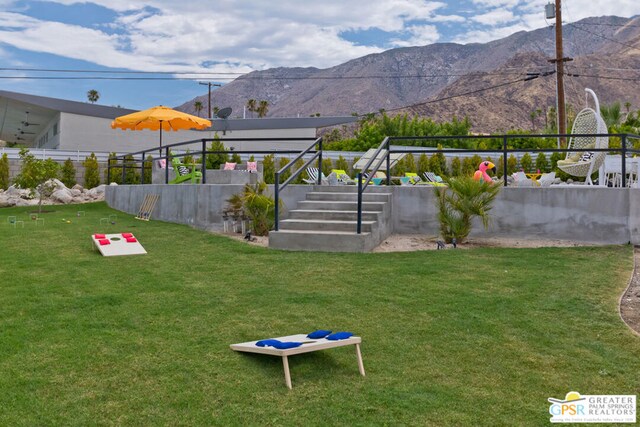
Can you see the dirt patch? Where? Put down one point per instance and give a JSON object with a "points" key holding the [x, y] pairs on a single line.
{"points": [[630, 301]]}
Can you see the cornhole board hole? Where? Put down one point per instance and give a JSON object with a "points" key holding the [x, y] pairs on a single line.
{"points": [[308, 346], [118, 244]]}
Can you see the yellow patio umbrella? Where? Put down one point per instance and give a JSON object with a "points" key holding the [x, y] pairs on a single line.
{"points": [[159, 118]]}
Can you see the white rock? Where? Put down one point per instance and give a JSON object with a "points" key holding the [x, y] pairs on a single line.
{"points": [[78, 187], [13, 191], [63, 196], [75, 192], [114, 183]]}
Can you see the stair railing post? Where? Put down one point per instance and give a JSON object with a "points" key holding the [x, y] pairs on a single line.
{"points": [[276, 197], [166, 166], [359, 215], [124, 170], [142, 169], [388, 162]]}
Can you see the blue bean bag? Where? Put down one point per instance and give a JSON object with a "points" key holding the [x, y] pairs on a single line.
{"points": [[320, 333], [278, 344], [339, 336]]}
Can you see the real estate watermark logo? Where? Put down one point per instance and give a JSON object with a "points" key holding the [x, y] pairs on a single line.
{"points": [[577, 408]]}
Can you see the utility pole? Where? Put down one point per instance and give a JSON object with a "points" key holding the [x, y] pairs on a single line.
{"points": [[559, 61], [210, 115]]}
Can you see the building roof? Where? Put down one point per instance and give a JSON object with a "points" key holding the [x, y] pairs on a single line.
{"points": [[279, 123]]}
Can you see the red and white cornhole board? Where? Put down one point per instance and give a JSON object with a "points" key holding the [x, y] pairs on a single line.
{"points": [[117, 244]]}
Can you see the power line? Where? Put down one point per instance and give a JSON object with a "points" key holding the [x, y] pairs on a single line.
{"points": [[607, 25], [473, 92], [601, 36], [626, 79]]}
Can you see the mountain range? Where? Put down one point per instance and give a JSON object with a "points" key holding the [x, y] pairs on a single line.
{"points": [[497, 85]]}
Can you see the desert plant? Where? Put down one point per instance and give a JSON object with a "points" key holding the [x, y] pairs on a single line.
{"points": [[68, 176], [463, 199], [35, 175], [92, 172], [257, 205], [4, 171], [214, 160]]}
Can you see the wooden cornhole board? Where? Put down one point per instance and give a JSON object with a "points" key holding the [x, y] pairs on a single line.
{"points": [[118, 246], [308, 346]]}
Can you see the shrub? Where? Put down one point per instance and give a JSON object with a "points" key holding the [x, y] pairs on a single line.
{"points": [[148, 165], [500, 167], [512, 164], [541, 163], [92, 172], [115, 171], [423, 164], [284, 161], [409, 163], [4, 171], [68, 177], [468, 166], [235, 158], [463, 199], [132, 176], [438, 163], [526, 162], [554, 159], [456, 167], [214, 160], [327, 165], [268, 169], [342, 164]]}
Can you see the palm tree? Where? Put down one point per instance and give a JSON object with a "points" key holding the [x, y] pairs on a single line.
{"points": [[263, 108], [252, 105], [93, 96], [611, 114], [198, 107]]}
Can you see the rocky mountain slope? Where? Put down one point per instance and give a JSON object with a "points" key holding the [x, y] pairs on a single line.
{"points": [[601, 47]]}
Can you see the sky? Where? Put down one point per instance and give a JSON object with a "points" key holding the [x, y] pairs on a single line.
{"points": [[191, 41]]}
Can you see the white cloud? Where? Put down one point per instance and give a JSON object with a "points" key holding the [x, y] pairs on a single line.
{"points": [[495, 17], [419, 36]]}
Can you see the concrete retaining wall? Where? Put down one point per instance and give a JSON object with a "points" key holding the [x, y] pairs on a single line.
{"points": [[599, 215]]}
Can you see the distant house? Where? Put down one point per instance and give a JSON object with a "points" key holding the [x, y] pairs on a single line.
{"points": [[52, 123]]}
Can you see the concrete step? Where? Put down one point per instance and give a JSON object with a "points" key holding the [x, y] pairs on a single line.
{"points": [[326, 241], [347, 196], [340, 205], [324, 225], [332, 215]]}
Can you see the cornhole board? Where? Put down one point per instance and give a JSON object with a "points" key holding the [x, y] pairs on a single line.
{"points": [[118, 246], [308, 346]]}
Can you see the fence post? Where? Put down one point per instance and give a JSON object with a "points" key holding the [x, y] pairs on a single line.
{"points": [[166, 165], [624, 161], [388, 163], [204, 162], [359, 217], [277, 200], [142, 169], [320, 162], [504, 160]]}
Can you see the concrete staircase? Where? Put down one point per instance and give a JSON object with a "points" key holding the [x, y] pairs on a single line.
{"points": [[327, 219]]}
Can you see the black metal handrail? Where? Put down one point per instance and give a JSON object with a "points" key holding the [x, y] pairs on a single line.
{"points": [[277, 187], [361, 187]]}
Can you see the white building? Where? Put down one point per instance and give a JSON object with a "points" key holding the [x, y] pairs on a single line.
{"points": [[50, 123]]}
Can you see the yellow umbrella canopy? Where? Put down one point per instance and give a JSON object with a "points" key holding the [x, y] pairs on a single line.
{"points": [[159, 118]]}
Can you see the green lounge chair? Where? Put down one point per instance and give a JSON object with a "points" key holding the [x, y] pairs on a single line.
{"points": [[185, 172]]}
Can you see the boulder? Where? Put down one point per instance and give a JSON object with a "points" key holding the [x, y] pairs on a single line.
{"points": [[14, 191], [63, 196], [78, 187], [97, 191], [6, 202], [75, 192]]}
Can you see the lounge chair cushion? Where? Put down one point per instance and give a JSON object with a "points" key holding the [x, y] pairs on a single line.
{"points": [[228, 166], [252, 167], [586, 156]]}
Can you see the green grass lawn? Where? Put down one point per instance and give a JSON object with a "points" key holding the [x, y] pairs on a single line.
{"points": [[464, 337]]}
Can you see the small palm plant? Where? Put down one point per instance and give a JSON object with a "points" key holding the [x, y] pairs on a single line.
{"points": [[258, 206], [463, 199]]}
